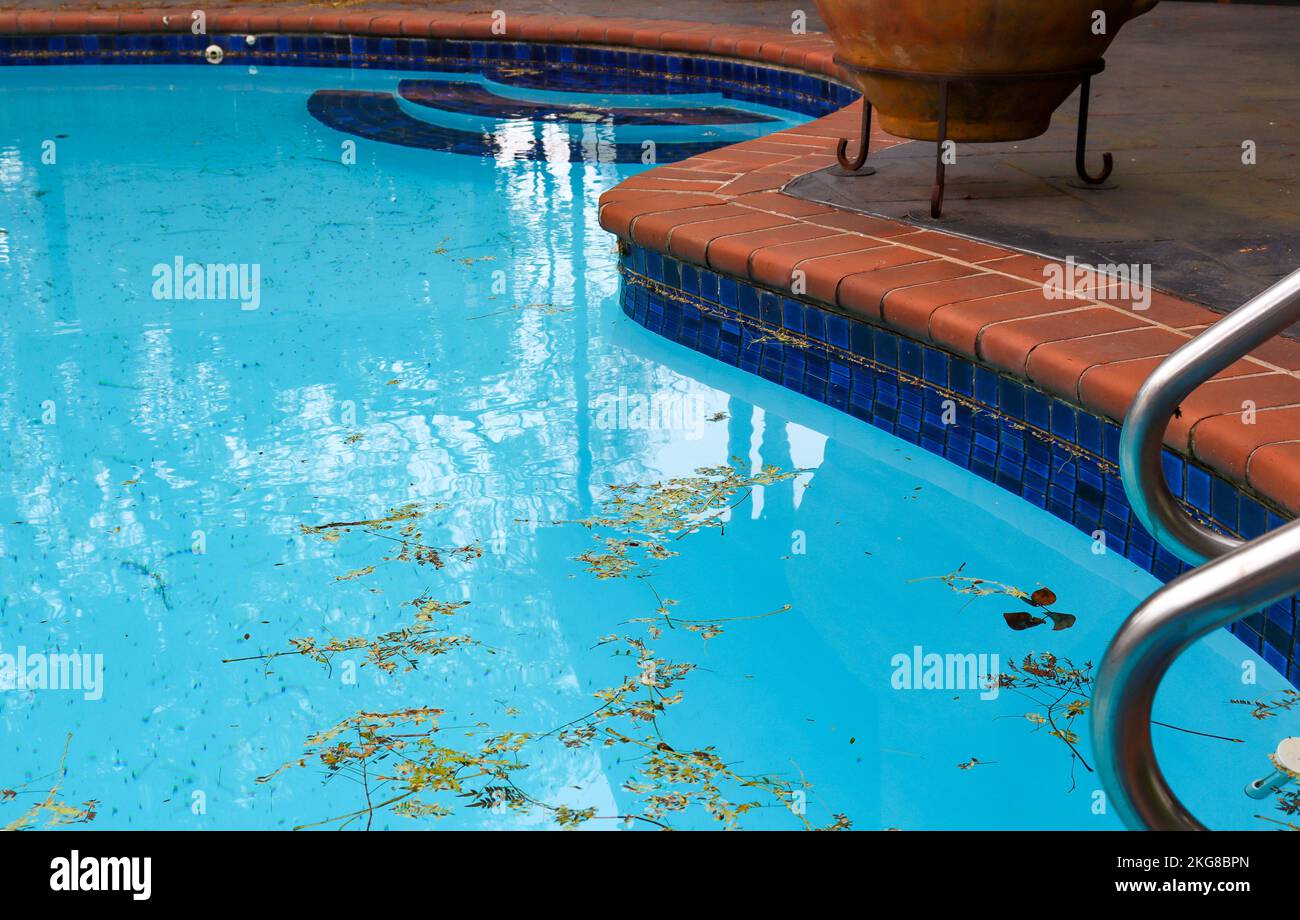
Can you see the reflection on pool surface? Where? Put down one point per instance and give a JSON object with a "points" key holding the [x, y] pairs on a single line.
{"points": [[436, 537]]}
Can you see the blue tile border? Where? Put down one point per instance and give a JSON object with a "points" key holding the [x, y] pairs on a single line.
{"points": [[1056, 455], [525, 64]]}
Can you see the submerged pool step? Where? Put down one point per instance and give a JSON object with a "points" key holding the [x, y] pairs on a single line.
{"points": [[465, 97], [379, 116]]}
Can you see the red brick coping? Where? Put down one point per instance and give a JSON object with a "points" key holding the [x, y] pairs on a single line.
{"points": [[724, 209]]}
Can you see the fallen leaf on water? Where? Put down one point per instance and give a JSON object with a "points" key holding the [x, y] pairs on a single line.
{"points": [[355, 573], [1019, 620], [1061, 621], [1043, 597]]}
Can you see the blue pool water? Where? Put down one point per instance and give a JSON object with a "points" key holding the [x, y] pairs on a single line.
{"points": [[439, 332]]}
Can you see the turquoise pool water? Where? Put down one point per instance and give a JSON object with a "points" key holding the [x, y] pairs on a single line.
{"points": [[438, 334]]}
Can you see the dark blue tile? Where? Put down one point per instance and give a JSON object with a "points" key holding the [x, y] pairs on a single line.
{"points": [[1198, 488], [934, 367], [1251, 518], [1174, 468], [1063, 418], [1037, 409], [886, 347], [792, 315], [909, 357], [1224, 503]]}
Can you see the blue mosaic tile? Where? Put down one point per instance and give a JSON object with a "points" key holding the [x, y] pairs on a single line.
{"points": [[549, 67], [1054, 455]]}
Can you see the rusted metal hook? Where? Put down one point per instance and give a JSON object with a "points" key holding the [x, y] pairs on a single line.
{"points": [[856, 164]]}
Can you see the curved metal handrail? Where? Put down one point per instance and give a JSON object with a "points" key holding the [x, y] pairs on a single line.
{"points": [[1228, 340], [1240, 579], [1193, 605]]}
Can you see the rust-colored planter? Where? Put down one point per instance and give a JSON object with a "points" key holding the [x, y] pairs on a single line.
{"points": [[971, 37]]}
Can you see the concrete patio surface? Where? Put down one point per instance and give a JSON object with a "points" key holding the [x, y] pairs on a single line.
{"points": [[1188, 92]]}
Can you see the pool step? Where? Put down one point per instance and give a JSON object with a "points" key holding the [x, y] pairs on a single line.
{"points": [[465, 97]]}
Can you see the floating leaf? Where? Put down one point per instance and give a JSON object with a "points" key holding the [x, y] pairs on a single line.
{"points": [[1061, 621], [1261, 709], [404, 754], [1062, 690], [426, 607], [386, 650], [1019, 620], [977, 587], [682, 505], [570, 818], [356, 573], [1043, 597], [404, 751], [51, 806], [405, 512]]}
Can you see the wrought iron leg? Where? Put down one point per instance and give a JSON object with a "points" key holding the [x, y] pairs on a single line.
{"points": [[936, 196], [864, 146], [1081, 145]]}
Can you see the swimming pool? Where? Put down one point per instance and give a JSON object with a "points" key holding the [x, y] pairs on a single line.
{"points": [[415, 422]]}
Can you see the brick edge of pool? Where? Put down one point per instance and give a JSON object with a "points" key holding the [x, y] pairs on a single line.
{"points": [[945, 298]]}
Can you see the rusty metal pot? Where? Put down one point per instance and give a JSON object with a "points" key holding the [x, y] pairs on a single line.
{"points": [[1006, 38]]}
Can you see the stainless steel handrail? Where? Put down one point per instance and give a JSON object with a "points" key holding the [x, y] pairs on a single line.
{"points": [[1242, 579], [1228, 340], [1193, 605]]}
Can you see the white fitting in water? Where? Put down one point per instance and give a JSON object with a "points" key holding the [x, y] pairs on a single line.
{"points": [[1287, 762], [213, 54]]}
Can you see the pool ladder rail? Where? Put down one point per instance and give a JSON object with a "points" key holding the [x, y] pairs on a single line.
{"points": [[1233, 578]]}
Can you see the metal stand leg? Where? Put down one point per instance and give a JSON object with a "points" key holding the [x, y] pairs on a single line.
{"points": [[944, 81], [936, 196], [864, 146], [1080, 146]]}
